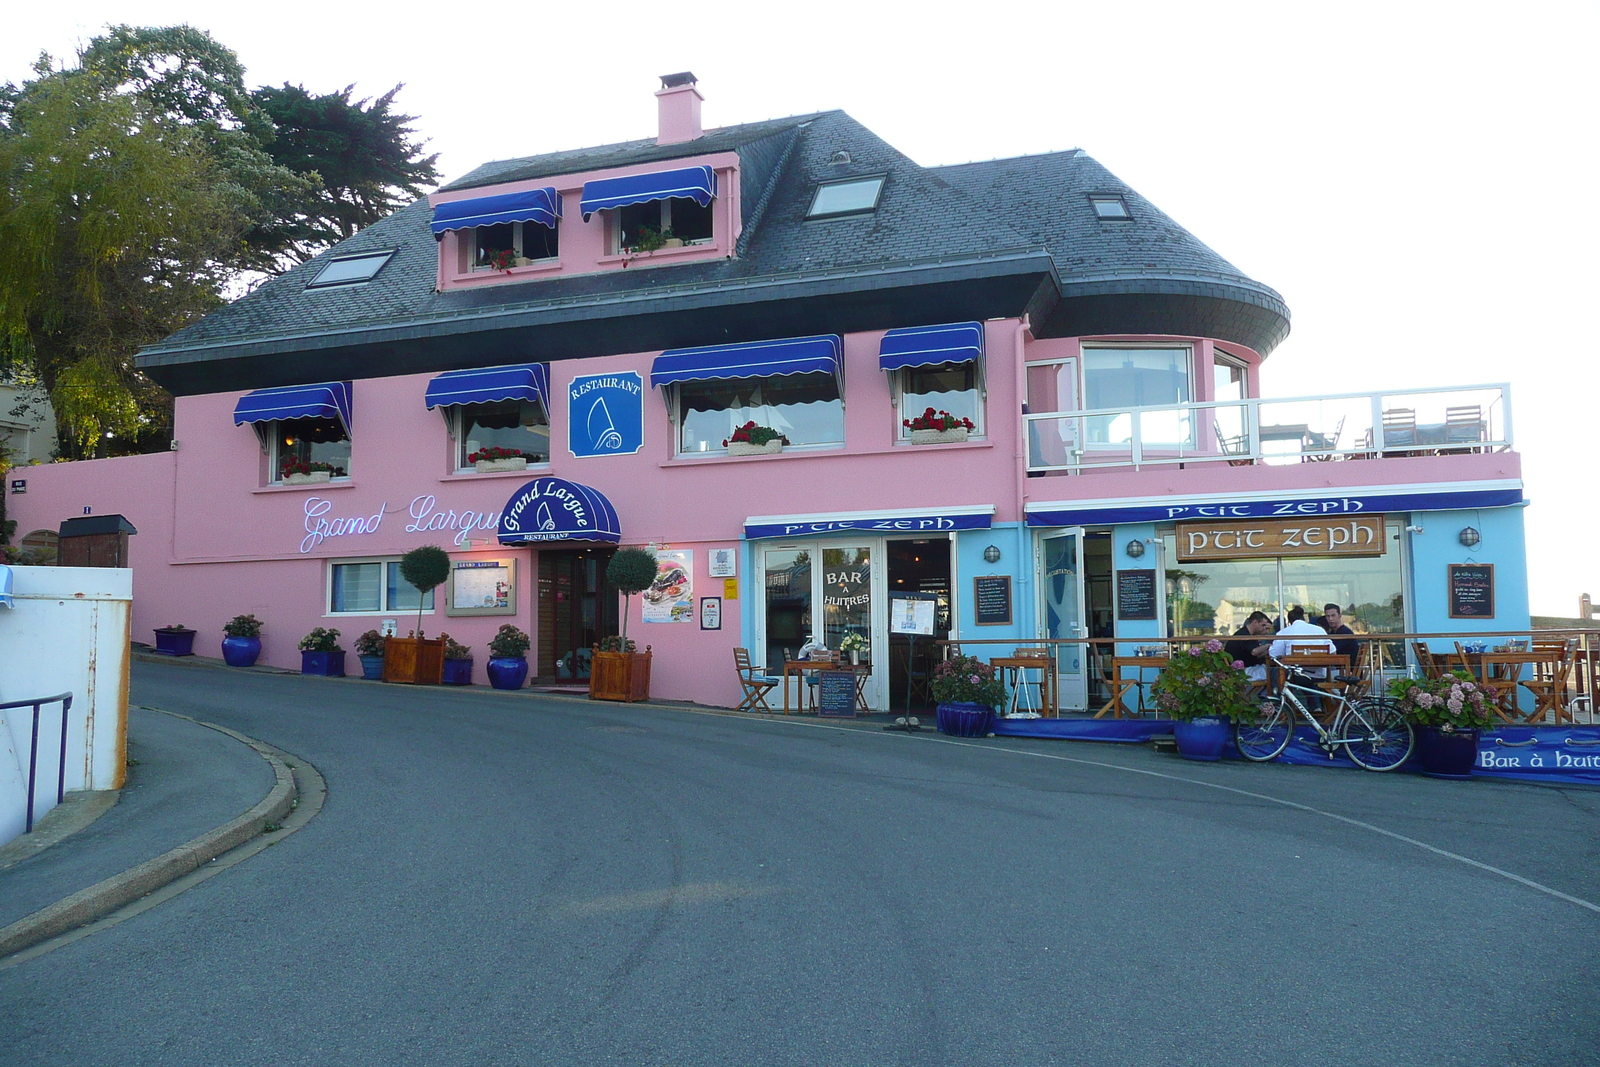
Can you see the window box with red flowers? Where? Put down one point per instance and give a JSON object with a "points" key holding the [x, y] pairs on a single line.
{"points": [[297, 471], [937, 428], [494, 460], [753, 440]]}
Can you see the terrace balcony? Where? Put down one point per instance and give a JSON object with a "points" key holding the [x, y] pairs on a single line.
{"points": [[1264, 431]]}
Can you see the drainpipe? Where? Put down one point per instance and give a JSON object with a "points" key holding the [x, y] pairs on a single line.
{"points": [[1024, 576]]}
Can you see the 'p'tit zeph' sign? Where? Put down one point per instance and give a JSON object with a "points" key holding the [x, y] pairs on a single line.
{"points": [[1311, 536]]}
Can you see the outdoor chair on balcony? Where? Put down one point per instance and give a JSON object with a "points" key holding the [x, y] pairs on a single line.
{"points": [[1463, 428], [1320, 447], [1399, 430], [1235, 445], [756, 686]]}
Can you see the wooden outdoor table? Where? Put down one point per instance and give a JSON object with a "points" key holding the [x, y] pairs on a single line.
{"points": [[1017, 665]]}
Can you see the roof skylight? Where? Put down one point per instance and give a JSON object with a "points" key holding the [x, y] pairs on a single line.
{"points": [[1109, 206], [349, 270], [853, 197]]}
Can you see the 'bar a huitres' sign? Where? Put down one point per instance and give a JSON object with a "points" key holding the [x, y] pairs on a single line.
{"points": [[1262, 539]]}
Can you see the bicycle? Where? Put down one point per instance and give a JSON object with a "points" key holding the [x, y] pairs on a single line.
{"points": [[1372, 730]]}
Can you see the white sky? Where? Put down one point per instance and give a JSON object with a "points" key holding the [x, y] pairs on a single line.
{"points": [[1417, 180]]}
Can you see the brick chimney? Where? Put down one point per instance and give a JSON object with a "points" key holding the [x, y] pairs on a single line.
{"points": [[679, 107]]}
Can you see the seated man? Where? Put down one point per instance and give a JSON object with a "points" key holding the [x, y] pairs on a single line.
{"points": [[1302, 636], [1248, 650], [1333, 623]]}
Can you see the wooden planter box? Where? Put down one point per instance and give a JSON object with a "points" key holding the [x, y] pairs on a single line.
{"points": [[621, 676], [413, 660]]}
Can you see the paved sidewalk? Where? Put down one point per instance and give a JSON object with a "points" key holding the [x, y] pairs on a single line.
{"points": [[188, 779]]}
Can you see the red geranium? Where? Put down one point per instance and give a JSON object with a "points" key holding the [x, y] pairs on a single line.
{"points": [[937, 420]]}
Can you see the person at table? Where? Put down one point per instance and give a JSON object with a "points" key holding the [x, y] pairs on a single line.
{"points": [[1333, 623], [1301, 636], [1249, 646]]}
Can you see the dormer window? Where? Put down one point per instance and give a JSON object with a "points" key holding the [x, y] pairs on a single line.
{"points": [[670, 223], [503, 231], [512, 244]]}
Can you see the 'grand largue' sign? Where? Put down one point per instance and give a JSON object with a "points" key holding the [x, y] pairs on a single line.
{"points": [[321, 524], [1330, 536]]}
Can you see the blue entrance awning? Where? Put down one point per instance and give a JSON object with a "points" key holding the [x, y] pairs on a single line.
{"points": [[491, 385], [926, 346], [752, 359], [327, 400], [696, 183], [532, 205], [554, 509]]}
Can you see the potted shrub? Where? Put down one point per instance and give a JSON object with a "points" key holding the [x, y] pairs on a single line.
{"points": [[297, 471], [415, 659], [320, 653], [494, 459], [1203, 690], [369, 646], [967, 690], [242, 645], [618, 671], [753, 440], [937, 428], [175, 639], [1449, 713], [457, 662], [508, 658]]}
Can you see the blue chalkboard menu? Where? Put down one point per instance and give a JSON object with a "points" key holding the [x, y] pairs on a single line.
{"points": [[836, 694]]}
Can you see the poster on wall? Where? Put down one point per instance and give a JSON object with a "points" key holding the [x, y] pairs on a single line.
{"points": [[723, 563], [670, 597], [481, 587], [710, 613], [605, 415]]}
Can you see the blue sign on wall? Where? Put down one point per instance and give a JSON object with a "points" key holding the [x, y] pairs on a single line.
{"points": [[605, 415]]}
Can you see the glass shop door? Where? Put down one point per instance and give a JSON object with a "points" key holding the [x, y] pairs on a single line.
{"points": [[1059, 578]]}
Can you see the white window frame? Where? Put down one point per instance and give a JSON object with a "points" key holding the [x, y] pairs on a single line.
{"points": [[516, 245], [1219, 358], [454, 424], [898, 397], [673, 396], [1084, 349], [614, 227], [383, 591]]}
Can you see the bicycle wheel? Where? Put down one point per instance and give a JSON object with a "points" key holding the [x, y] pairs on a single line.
{"points": [[1376, 734], [1265, 735]]}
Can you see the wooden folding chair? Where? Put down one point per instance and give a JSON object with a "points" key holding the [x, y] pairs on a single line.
{"points": [[755, 686], [1549, 681], [1430, 664], [1127, 675]]}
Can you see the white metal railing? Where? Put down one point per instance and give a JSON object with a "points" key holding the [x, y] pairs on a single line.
{"points": [[1395, 422]]}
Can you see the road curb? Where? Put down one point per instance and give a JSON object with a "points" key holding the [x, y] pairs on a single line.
{"points": [[105, 897]]}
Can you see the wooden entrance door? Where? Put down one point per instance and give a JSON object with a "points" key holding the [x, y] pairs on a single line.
{"points": [[576, 609]]}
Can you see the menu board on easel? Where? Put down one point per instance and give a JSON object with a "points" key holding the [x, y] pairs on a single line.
{"points": [[1471, 590]]}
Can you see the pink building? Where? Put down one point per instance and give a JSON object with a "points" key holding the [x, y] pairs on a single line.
{"points": [[615, 314]]}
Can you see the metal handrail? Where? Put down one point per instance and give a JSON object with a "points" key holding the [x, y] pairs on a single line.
{"points": [[65, 700]]}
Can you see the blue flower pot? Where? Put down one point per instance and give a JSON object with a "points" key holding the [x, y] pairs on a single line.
{"points": [[1447, 755], [372, 668], [459, 672], [175, 642], [964, 720], [330, 664], [241, 651], [507, 673], [1202, 739]]}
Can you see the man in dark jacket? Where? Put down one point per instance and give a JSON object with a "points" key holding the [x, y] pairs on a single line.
{"points": [[1249, 645], [1333, 621]]}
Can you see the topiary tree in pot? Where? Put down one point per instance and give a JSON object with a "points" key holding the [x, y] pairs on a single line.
{"points": [[617, 672], [416, 659]]}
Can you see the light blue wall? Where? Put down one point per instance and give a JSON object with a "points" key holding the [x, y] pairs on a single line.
{"points": [[1015, 544], [1134, 631], [1439, 545]]}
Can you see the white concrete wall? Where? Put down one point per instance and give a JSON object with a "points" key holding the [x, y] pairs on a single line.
{"points": [[66, 632]]}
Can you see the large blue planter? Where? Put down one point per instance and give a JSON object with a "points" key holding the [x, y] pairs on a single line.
{"points": [[241, 651], [372, 668], [459, 672], [328, 663], [1202, 739], [175, 642], [964, 720], [1447, 755], [507, 673]]}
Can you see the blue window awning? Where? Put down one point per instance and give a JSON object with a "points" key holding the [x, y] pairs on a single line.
{"points": [[751, 359], [916, 520], [696, 183], [491, 385], [926, 346], [327, 400], [554, 509], [532, 205]]}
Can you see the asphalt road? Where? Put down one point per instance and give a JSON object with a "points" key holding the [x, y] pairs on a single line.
{"points": [[498, 879]]}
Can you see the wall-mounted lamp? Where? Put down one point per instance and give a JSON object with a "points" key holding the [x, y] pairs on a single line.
{"points": [[991, 554], [1470, 537], [1413, 529], [1135, 549]]}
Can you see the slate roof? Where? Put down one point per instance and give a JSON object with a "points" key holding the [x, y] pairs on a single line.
{"points": [[978, 240]]}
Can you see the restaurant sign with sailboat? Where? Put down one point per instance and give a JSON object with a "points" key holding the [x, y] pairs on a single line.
{"points": [[605, 415], [554, 509]]}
